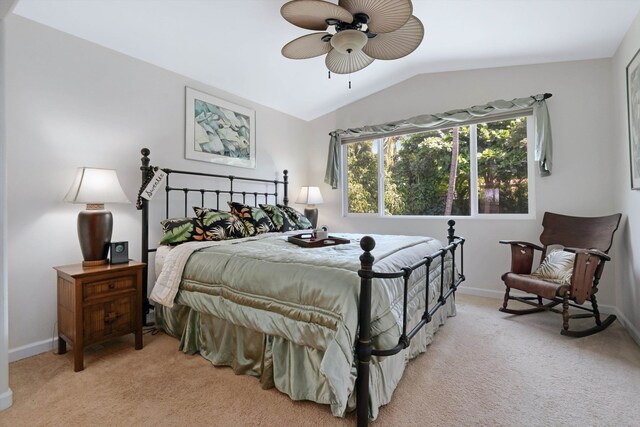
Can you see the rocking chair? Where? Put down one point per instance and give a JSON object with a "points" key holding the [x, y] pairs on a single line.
{"points": [[590, 240]]}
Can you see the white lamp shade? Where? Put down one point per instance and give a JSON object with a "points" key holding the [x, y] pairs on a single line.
{"points": [[96, 186], [309, 196]]}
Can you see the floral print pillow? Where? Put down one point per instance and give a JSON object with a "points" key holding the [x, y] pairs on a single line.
{"points": [[209, 224], [296, 217], [279, 218], [255, 219], [223, 225], [180, 230]]}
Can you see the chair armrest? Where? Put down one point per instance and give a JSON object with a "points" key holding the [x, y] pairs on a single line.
{"points": [[586, 272], [595, 252], [521, 243], [521, 255]]}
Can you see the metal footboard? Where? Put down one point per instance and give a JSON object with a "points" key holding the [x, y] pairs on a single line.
{"points": [[364, 349]]}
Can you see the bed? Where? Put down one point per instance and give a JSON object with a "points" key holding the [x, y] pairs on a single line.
{"points": [[320, 324]]}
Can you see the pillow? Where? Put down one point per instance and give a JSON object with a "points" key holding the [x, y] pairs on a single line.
{"points": [[221, 225], [296, 217], [557, 267], [180, 230], [279, 218], [255, 219]]}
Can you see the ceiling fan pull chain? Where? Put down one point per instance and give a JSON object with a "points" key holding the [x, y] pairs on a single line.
{"points": [[349, 50], [329, 74]]}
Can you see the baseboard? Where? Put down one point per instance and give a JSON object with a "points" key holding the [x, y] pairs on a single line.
{"points": [[32, 349], [630, 327], [489, 293], [478, 292], [6, 399]]}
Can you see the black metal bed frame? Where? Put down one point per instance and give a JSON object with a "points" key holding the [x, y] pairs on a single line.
{"points": [[142, 204], [364, 349]]}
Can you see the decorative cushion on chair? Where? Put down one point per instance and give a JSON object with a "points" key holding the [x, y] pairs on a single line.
{"points": [[557, 267]]}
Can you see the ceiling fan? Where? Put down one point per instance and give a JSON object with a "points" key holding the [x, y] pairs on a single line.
{"points": [[354, 32]]}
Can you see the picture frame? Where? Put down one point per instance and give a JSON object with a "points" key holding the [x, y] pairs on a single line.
{"points": [[633, 116], [219, 131]]}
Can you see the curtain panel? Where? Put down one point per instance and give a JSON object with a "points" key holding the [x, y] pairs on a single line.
{"points": [[537, 103]]}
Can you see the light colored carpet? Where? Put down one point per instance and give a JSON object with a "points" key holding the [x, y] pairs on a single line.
{"points": [[484, 368]]}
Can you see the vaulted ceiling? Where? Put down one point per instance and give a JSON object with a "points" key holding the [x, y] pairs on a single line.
{"points": [[235, 45]]}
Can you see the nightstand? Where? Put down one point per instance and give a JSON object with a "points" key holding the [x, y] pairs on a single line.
{"points": [[96, 304]]}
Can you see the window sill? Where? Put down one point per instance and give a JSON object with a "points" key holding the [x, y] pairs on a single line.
{"points": [[502, 217]]}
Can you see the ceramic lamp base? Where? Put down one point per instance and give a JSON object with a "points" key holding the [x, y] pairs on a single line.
{"points": [[312, 216], [94, 234]]}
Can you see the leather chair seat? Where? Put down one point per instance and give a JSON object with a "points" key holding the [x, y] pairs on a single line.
{"points": [[534, 285]]}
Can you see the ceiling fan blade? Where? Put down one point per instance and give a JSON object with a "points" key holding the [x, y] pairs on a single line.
{"points": [[312, 14], [308, 46], [345, 63], [398, 43], [384, 16]]}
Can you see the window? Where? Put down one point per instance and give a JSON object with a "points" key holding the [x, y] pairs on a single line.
{"points": [[470, 170]]}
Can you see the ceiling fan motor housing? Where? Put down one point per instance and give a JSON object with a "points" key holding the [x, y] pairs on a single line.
{"points": [[348, 41]]}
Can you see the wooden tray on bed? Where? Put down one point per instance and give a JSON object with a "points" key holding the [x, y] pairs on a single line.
{"points": [[305, 241]]}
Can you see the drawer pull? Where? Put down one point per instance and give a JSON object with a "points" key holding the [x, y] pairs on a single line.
{"points": [[110, 317], [112, 285]]}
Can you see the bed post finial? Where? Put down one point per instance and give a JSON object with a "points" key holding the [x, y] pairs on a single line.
{"points": [[451, 231], [147, 175], [363, 349], [285, 179], [367, 243]]}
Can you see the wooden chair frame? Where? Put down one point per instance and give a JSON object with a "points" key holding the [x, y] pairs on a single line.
{"points": [[590, 238]]}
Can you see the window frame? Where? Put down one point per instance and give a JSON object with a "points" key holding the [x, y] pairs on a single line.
{"points": [[473, 184]]}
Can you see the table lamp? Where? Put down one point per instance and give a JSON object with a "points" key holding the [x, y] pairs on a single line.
{"points": [[310, 196], [95, 187]]}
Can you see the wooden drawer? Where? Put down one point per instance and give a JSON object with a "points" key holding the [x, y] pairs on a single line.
{"points": [[110, 318], [103, 287]]}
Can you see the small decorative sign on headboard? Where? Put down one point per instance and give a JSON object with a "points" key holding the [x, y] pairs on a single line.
{"points": [[150, 190]]}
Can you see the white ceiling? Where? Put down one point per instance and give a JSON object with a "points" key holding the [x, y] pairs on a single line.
{"points": [[235, 45]]}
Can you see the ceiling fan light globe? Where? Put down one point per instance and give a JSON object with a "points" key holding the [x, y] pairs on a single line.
{"points": [[349, 41]]}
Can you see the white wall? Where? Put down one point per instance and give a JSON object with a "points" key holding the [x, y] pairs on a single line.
{"points": [[73, 103], [628, 201], [581, 182]]}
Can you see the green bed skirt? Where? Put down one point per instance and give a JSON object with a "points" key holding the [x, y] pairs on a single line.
{"points": [[290, 368]]}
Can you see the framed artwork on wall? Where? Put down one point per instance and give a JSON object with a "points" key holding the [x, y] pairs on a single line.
{"points": [[633, 114], [219, 131]]}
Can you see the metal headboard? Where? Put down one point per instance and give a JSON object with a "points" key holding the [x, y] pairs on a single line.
{"points": [[142, 204]]}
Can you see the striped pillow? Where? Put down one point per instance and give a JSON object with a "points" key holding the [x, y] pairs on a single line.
{"points": [[557, 267]]}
